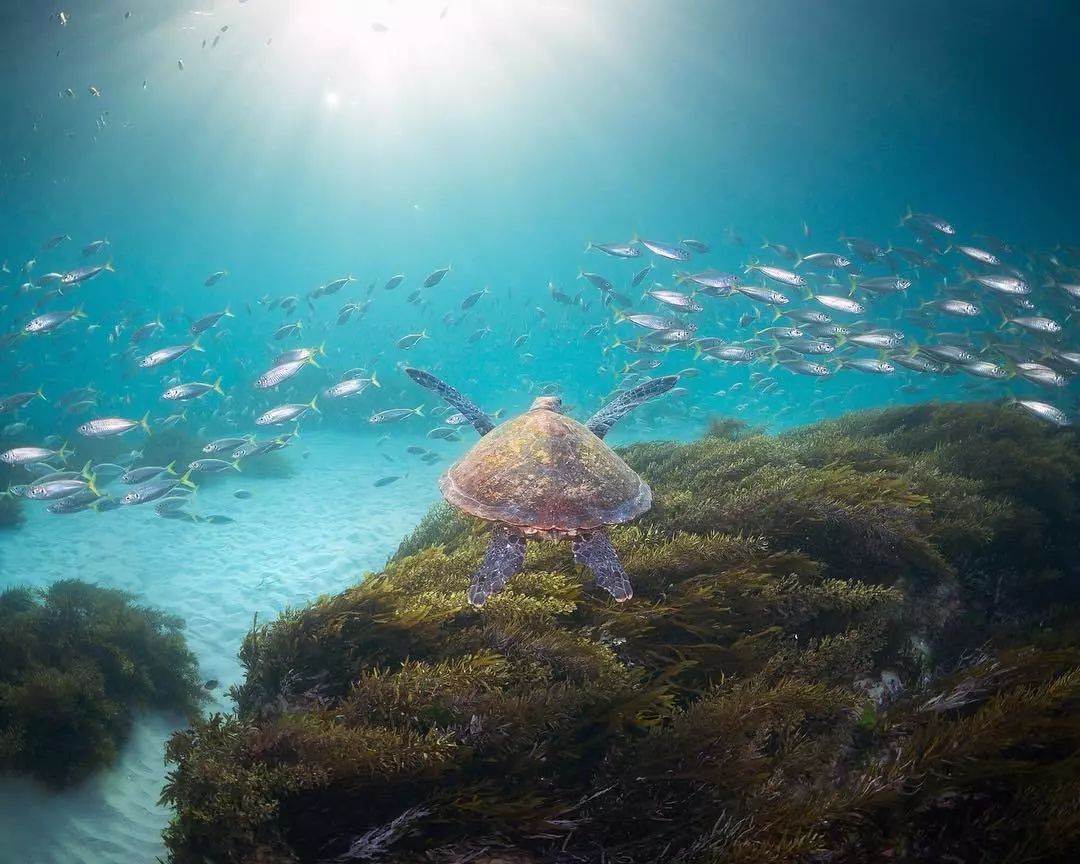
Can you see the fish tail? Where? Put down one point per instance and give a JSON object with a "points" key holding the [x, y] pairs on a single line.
{"points": [[374, 380], [91, 483], [840, 340], [110, 266], [312, 404], [907, 216], [145, 422], [169, 467], [914, 349], [195, 346], [419, 410], [217, 387], [41, 393], [64, 452], [588, 245], [79, 312], [776, 313], [228, 313], [186, 481], [854, 284], [235, 464], [1004, 321]]}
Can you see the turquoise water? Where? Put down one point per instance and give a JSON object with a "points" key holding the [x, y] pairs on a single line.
{"points": [[325, 139]]}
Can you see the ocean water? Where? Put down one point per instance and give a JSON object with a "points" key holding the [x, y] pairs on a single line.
{"points": [[285, 145]]}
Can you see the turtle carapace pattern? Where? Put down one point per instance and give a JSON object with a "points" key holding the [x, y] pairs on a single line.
{"points": [[545, 475]]}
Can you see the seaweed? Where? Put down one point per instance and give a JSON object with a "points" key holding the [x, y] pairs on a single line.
{"points": [[853, 641], [76, 662]]}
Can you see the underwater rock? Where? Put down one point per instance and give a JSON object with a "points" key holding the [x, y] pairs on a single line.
{"points": [[720, 716], [76, 663]]}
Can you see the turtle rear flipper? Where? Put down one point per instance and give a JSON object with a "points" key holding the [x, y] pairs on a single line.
{"points": [[479, 420], [594, 550], [502, 559], [621, 405]]}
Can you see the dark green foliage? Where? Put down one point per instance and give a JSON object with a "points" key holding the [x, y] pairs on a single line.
{"points": [[76, 663], [733, 711]]}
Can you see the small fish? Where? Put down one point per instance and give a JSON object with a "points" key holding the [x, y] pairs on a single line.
{"points": [[640, 276], [777, 274], [445, 433], [960, 308], [22, 456], [106, 427], [671, 251], [213, 466], [243, 494], [1044, 411], [93, 247], [208, 321], [222, 445], [436, 277], [825, 261], [280, 373], [393, 282], [393, 415], [865, 364], [137, 476], [763, 295], [839, 304], [406, 342], [214, 278], [984, 369], [980, 255], [883, 284], [85, 274], [695, 246], [1035, 324], [472, 299], [651, 322], [167, 355], [351, 387], [598, 281], [615, 250], [286, 413], [675, 299], [287, 330], [336, 285], [187, 392], [51, 320], [386, 481]]}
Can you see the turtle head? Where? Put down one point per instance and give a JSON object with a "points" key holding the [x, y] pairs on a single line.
{"points": [[547, 403]]}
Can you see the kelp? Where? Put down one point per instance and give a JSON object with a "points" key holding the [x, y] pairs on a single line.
{"points": [[854, 641], [76, 663]]}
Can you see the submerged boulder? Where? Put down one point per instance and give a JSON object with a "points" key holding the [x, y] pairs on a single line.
{"points": [[854, 641]]}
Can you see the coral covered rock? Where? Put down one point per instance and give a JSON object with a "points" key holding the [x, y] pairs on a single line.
{"points": [[855, 641], [76, 663]]}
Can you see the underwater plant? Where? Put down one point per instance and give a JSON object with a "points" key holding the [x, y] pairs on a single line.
{"points": [[854, 641], [76, 663]]}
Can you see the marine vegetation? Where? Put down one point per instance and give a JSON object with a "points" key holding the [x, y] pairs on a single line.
{"points": [[76, 664], [856, 641]]}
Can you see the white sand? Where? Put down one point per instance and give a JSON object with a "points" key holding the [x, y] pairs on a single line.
{"points": [[295, 539]]}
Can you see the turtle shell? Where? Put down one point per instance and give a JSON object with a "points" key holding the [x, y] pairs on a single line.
{"points": [[543, 470]]}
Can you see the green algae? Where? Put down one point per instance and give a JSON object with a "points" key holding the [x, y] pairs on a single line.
{"points": [[855, 641], [76, 664]]}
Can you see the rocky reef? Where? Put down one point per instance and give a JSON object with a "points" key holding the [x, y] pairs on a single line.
{"points": [[858, 641], [76, 663]]}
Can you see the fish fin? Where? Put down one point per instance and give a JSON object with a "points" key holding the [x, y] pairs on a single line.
{"points": [[186, 481], [110, 266], [195, 346], [79, 312], [1004, 321], [40, 392], [228, 313], [374, 380], [169, 467], [312, 404], [235, 464], [144, 422], [64, 452], [217, 386], [321, 350], [419, 411]]}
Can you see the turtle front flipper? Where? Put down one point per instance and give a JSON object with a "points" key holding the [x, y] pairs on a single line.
{"points": [[502, 559], [621, 405], [594, 550], [479, 420]]}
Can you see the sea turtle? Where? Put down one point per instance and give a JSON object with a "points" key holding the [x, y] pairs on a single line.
{"points": [[544, 475]]}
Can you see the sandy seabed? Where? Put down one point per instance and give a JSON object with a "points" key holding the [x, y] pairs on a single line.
{"points": [[293, 540]]}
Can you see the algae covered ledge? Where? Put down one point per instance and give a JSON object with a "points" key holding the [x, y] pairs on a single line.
{"points": [[854, 641]]}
